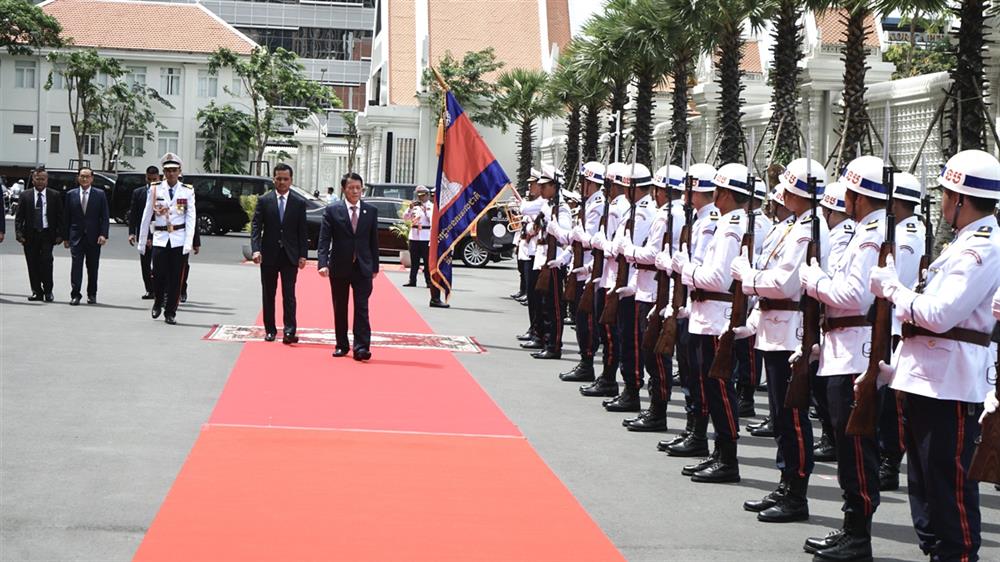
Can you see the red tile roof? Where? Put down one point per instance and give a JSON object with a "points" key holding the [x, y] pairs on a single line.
{"points": [[832, 27], [133, 25]]}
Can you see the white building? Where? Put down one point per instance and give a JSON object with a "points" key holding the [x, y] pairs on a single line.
{"points": [[165, 46]]}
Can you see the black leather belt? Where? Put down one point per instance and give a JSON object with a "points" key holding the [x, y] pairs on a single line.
{"points": [[176, 227], [955, 334], [841, 322], [645, 267], [701, 295], [778, 304]]}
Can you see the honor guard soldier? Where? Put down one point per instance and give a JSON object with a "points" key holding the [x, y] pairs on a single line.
{"points": [[618, 209], [550, 297], [941, 366], [908, 254], [587, 330], [775, 281], [530, 209], [170, 212], [845, 293]]}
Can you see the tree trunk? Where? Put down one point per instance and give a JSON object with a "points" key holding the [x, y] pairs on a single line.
{"points": [[853, 122], [572, 163], [642, 129], [679, 107], [591, 132], [787, 52], [968, 76], [730, 87], [524, 153]]}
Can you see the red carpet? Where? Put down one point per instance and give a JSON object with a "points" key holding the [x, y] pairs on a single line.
{"points": [[307, 457]]}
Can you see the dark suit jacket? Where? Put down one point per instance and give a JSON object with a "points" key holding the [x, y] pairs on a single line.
{"points": [[338, 244], [135, 209], [270, 236], [85, 227], [24, 220]]}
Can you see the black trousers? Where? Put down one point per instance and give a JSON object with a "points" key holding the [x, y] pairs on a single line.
{"points": [[523, 266], [534, 304], [146, 267], [89, 254], [891, 435], [550, 301], [341, 289], [658, 367], [857, 457], [631, 338], [719, 396], [821, 400], [38, 255], [269, 274], [587, 330], [944, 503], [168, 263], [792, 430], [609, 335], [418, 255]]}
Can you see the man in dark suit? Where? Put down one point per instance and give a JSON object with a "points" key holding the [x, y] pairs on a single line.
{"points": [[38, 227], [85, 230], [280, 245], [348, 255], [135, 209]]}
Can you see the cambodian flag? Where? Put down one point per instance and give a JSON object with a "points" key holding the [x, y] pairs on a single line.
{"points": [[469, 180]]}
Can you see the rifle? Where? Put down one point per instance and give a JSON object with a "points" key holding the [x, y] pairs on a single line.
{"points": [[572, 285], [722, 366], [985, 465], [797, 395], [667, 338], [551, 247], [925, 211], [586, 305], [610, 313], [655, 323], [864, 412]]}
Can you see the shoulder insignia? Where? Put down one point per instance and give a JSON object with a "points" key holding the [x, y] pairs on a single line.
{"points": [[849, 227], [872, 225], [642, 204], [713, 217], [974, 255], [714, 213], [807, 220], [983, 232], [911, 228], [735, 219], [804, 239], [187, 185], [870, 246], [907, 248]]}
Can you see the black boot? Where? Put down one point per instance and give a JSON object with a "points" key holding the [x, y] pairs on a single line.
{"points": [[654, 420], [794, 506], [704, 463], [582, 372], [642, 414], [824, 451], [746, 402], [527, 336], [605, 384], [663, 445], [627, 401], [766, 430], [695, 444], [768, 501], [759, 424], [888, 475], [815, 544], [725, 469], [854, 545]]}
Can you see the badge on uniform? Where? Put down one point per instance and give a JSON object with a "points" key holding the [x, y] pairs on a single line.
{"points": [[182, 206]]}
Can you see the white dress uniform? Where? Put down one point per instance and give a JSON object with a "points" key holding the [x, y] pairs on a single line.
{"points": [[702, 230], [565, 222], [840, 237], [420, 217], [909, 249], [529, 211], [591, 224], [711, 317], [645, 217], [762, 227], [617, 214], [645, 279], [181, 211]]}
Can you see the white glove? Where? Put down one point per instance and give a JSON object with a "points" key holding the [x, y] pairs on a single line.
{"points": [[811, 275], [996, 305], [598, 240], [626, 248], [626, 291], [663, 261], [581, 269], [680, 259], [580, 235], [608, 247], [554, 264], [742, 332], [884, 281], [666, 312], [552, 227], [813, 354], [885, 374], [683, 313], [652, 313], [990, 405], [741, 268]]}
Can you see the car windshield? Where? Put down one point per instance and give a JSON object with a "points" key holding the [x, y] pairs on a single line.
{"points": [[306, 194]]}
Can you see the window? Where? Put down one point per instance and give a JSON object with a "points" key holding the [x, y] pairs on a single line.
{"points": [[208, 84], [54, 134], [233, 189], [24, 129], [92, 145], [169, 142], [170, 81], [24, 74], [136, 76], [133, 144], [315, 42], [59, 81], [406, 160], [236, 90]]}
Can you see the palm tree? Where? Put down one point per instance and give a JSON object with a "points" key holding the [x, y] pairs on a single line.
{"points": [[787, 52], [522, 98], [685, 44], [603, 54], [967, 127], [565, 87]]}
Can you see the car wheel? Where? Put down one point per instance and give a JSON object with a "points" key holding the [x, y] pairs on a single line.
{"points": [[473, 254], [206, 224]]}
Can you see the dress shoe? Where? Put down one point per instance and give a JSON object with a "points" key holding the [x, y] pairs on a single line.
{"points": [[548, 354], [270, 336], [663, 445], [824, 450], [532, 344], [410, 284], [155, 313], [147, 297], [725, 469], [792, 506], [758, 424], [652, 422], [170, 320], [704, 463], [815, 544], [600, 387], [625, 402], [517, 295], [527, 336], [813, 414], [184, 297], [340, 352], [362, 355], [35, 297], [91, 300], [438, 303], [696, 442], [767, 430], [76, 300], [289, 338], [49, 297], [888, 475], [768, 501], [642, 414], [582, 372]]}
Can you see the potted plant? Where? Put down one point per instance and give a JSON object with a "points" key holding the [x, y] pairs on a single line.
{"points": [[402, 229]]}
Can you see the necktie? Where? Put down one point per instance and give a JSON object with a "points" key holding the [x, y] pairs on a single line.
{"points": [[354, 219], [86, 192], [38, 211], [281, 209], [171, 194]]}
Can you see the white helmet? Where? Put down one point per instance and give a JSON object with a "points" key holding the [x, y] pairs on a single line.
{"points": [[778, 195], [617, 171], [534, 174], [864, 176], [569, 196], [676, 177], [793, 179], [702, 174], [972, 172], [733, 177], [906, 187], [593, 171], [760, 189], [662, 177], [833, 197], [549, 174], [638, 172]]}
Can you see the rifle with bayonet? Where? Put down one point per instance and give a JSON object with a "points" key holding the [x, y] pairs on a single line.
{"points": [[610, 313], [667, 338], [925, 212], [551, 246], [985, 465], [655, 322], [586, 304], [572, 285], [864, 412]]}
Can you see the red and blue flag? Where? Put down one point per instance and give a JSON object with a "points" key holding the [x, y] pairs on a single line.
{"points": [[469, 181]]}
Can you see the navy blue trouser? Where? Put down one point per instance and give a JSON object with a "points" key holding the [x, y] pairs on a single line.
{"points": [[857, 456], [658, 366], [551, 310], [792, 430], [534, 303], [891, 440], [631, 338], [609, 335], [587, 330], [718, 396]]}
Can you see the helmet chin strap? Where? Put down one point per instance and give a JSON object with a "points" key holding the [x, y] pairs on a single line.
{"points": [[958, 207]]}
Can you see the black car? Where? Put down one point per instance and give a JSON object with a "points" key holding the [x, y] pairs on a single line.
{"points": [[489, 241], [217, 198], [389, 243], [63, 180], [404, 191]]}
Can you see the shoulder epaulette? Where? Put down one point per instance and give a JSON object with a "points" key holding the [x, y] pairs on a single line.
{"points": [[911, 228], [189, 186], [642, 204], [807, 220], [714, 215], [735, 219], [984, 232], [872, 225], [849, 227]]}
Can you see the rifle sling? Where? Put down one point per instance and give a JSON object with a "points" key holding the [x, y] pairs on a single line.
{"points": [[964, 335]]}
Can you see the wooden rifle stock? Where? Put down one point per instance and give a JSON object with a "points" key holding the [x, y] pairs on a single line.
{"points": [[668, 332], [797, 395], [722, 365], [597, 270], [985, 465], [572, 285], [610, 313]]}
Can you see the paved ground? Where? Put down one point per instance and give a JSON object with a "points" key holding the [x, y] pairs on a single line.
{"points": [[99, 406]]}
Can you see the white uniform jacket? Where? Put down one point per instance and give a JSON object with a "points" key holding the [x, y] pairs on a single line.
{"points": [[420, 218], [180, 211], [645, 218], [840, 237], [529, 211], [762, 227], [565, 221], [617, 215], [645, 255], [959, 292], [909, 249], [711, 317], [591, 223]]}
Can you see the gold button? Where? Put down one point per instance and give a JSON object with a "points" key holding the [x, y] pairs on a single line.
{"points": [[931, 343]]}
